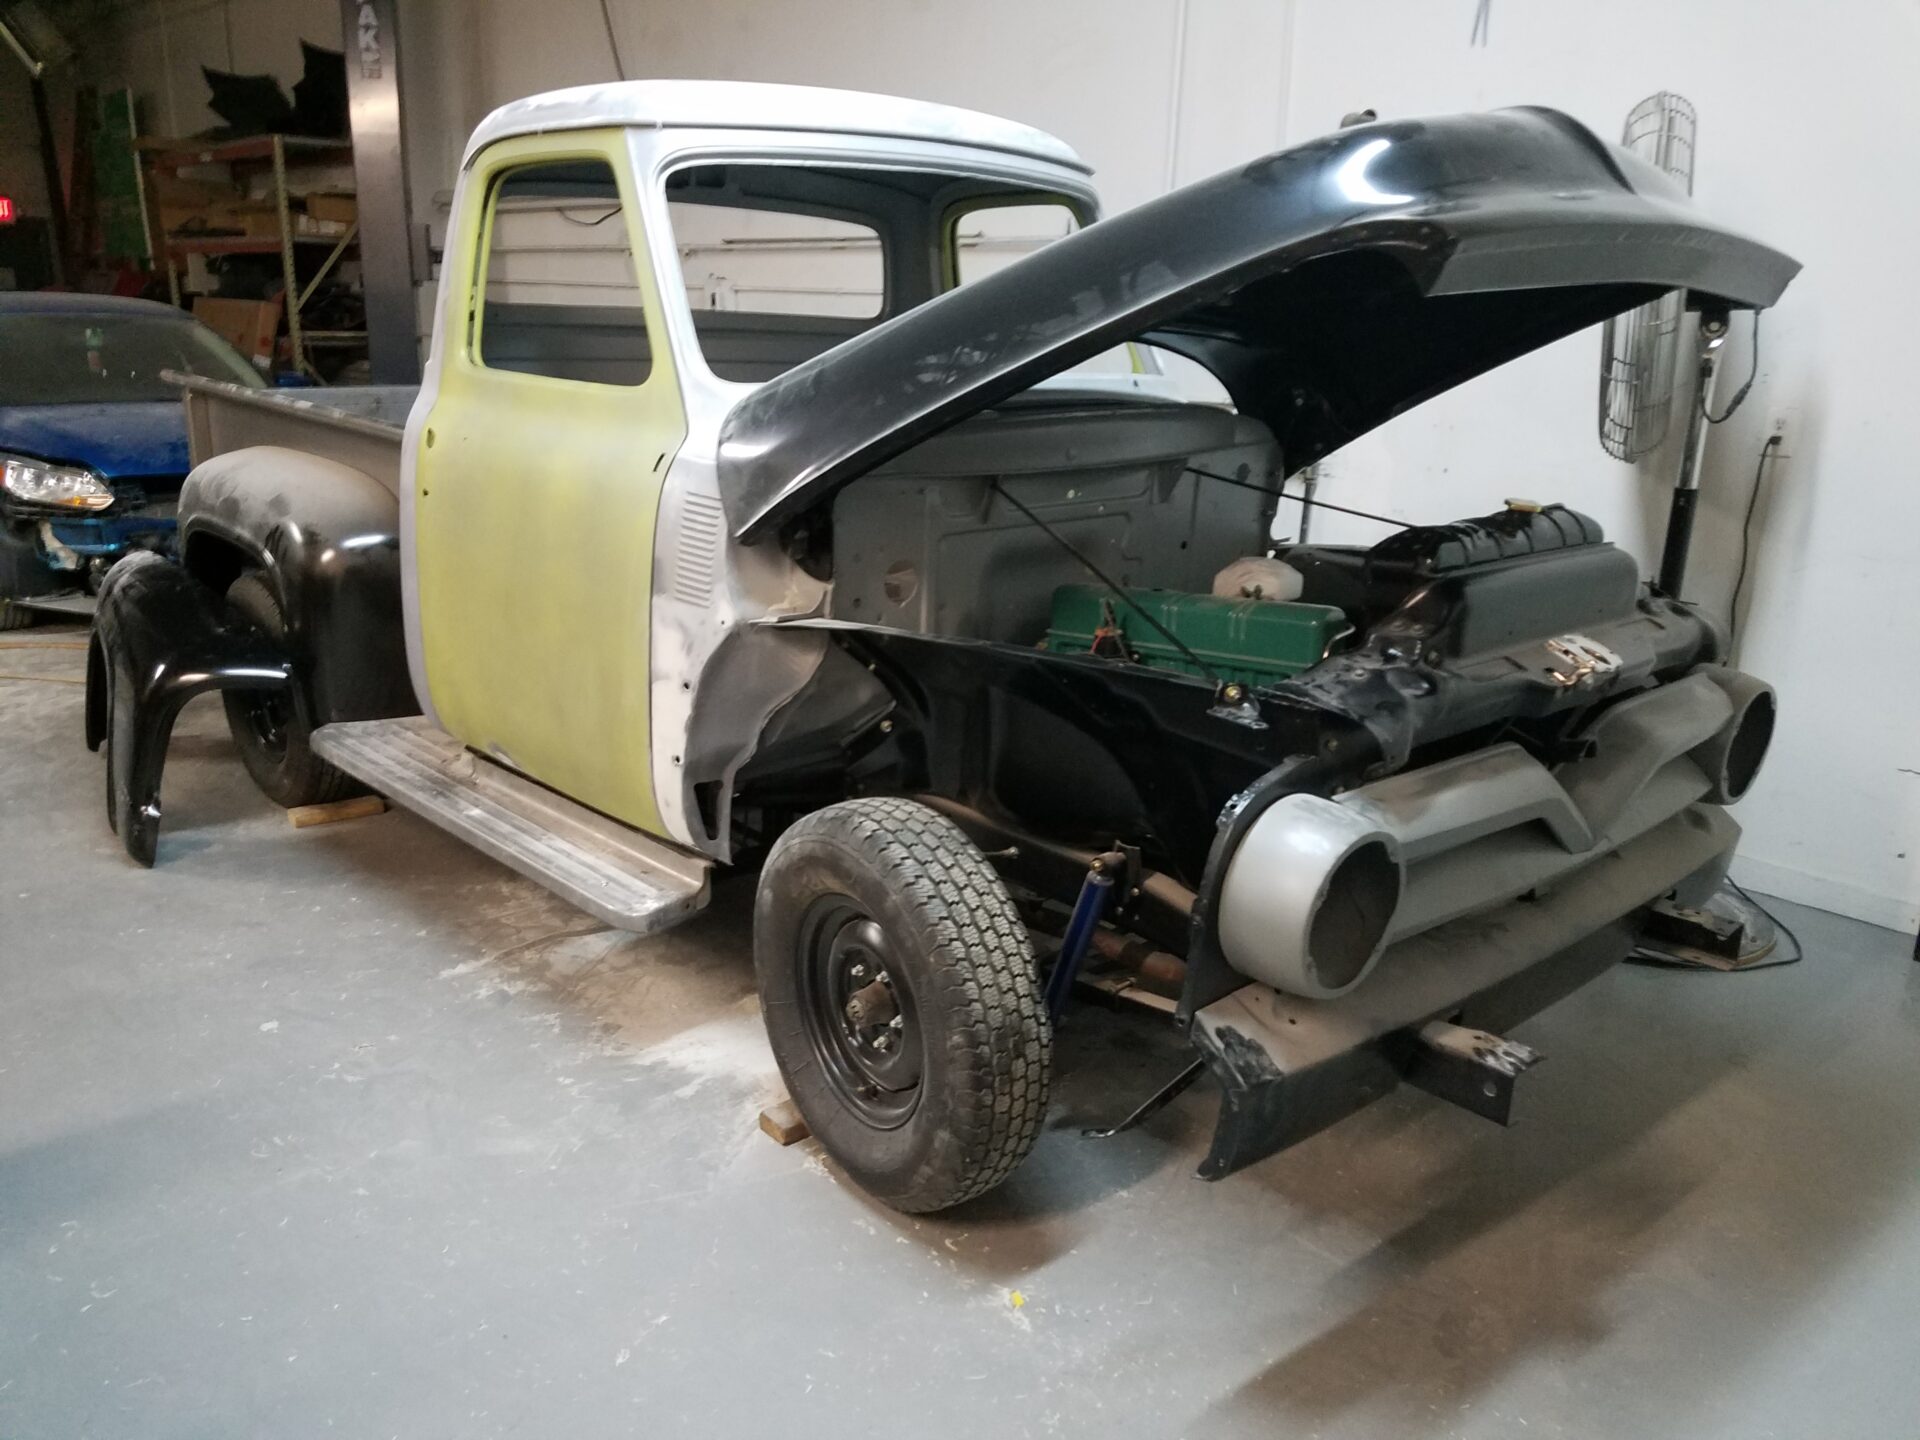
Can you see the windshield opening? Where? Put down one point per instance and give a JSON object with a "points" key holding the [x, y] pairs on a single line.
{"points": [[987, 233], [81, 359], [782, 260]]}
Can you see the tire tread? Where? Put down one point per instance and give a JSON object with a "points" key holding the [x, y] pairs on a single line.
{"points": [[983, 960]]}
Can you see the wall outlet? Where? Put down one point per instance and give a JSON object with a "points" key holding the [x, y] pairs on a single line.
{"points": [[1783, 427]]}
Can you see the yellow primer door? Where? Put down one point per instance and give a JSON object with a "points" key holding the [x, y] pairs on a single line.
{"points": [[539, 474]]}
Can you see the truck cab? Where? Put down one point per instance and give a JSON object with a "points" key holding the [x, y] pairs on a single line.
{"points": [[624, 264], [813, 482]]}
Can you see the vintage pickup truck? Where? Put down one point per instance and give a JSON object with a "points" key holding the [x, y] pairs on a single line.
{"points": [[773, 498]]}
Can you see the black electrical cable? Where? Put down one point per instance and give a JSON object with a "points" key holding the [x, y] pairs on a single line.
{"points": [[1753, 371], [613, 45], [1113, 585], [1799, 950], [1668, 962], [1302, 499], [1746, 542]]}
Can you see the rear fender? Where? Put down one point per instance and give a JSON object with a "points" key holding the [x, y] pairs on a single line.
{"points": [[160, 638], [327, 537]]}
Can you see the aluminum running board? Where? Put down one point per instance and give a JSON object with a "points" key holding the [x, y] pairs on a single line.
{"points": [[613, 872]]}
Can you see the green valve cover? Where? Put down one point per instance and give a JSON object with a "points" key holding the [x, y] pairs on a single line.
{"points": [[1256, 642]]}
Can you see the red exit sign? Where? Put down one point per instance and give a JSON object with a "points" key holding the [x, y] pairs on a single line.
{"points": [[6, 209]]}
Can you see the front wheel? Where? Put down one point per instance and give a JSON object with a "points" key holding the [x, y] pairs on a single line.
{"points": [[902, 1001]]}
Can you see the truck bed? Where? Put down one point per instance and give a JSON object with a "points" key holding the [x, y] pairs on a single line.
{"points": [[358, 425]]}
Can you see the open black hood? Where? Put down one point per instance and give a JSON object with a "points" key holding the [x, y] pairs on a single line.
{"points": [[1330, 287]]}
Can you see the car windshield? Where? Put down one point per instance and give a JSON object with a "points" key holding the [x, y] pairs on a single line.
{"points": [[55, 359]]}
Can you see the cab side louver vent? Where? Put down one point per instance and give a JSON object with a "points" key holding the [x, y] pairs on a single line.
{"points": [[696, 553]]}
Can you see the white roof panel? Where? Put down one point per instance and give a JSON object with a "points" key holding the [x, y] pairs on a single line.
{"points": [[750, 105]]}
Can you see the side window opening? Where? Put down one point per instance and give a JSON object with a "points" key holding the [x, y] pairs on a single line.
{"points": [[560, 292]]}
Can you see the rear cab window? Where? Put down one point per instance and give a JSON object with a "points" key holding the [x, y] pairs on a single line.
{"points": [[780, 261], [770, 262]]}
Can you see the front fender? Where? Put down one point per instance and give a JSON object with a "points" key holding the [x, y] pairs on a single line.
{"points": [[327, 536]]}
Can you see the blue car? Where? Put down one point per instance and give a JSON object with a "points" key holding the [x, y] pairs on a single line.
{"points": [[93, 444]]}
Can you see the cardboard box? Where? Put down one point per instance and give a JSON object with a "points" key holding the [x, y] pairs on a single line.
{"points": [[319, 229], [333, 209], [191, 206], [248, 325], [258, 224], [172, 189], [222, 215]]}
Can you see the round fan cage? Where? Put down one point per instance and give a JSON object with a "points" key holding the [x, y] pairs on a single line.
{"points": [[1639, 351]]}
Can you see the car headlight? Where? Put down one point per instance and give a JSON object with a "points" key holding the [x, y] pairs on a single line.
{"points": [[67, 487]]}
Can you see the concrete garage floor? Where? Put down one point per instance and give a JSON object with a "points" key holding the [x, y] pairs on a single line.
{"points": [[349, 1131]]}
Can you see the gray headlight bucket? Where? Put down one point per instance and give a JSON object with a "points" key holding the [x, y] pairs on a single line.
{"points": [[1309, 896], [1732, 758]]}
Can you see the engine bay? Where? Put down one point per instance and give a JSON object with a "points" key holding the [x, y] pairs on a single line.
{"points": [[1468, 587], [1067, 612], [1134, 532]]}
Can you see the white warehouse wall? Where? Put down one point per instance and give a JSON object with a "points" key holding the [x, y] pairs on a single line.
{"points": [[1111, 76]]}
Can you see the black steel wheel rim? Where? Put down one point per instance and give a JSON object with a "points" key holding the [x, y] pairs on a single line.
{"points": [[267, 717], [859, 1011]]}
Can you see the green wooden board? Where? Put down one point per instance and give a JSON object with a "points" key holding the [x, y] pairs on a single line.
{"points": [[116, 183]]}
